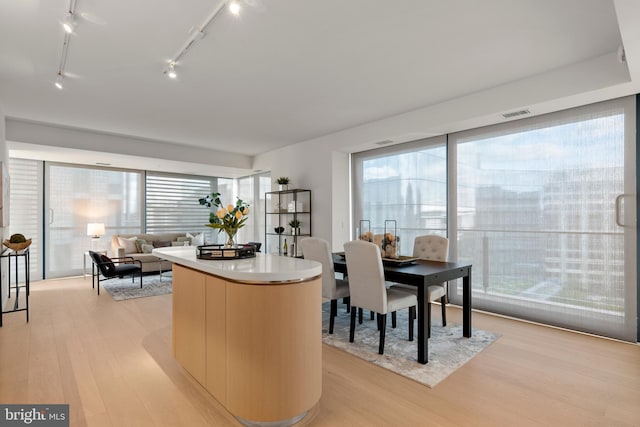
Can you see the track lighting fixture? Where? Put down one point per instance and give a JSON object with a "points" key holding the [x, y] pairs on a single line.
{"points": [[198, 33], [68, 25]]}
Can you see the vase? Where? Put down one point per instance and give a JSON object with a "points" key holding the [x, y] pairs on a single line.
{"points": [[231, 233]]}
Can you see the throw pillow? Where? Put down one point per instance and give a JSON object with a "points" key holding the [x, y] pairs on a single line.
{"points": [[108, 265], [147, 249], [179, 243], [196, 239], [161, 244], [184, 239], [129, 244], [139, 243]]}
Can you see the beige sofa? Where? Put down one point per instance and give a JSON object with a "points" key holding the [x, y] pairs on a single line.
{"points": [[149, 261]]}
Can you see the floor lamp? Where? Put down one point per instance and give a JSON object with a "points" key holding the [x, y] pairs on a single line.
{"points": [[95, 231]]}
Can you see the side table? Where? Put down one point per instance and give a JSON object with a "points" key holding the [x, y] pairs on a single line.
{"points": [[9, 254]]}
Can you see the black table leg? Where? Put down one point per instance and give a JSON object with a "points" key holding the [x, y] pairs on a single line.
{"points": [[423, 325], [466, 305]]}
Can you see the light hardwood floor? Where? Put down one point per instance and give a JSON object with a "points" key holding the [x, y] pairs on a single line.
{"points": [[111, 361]]}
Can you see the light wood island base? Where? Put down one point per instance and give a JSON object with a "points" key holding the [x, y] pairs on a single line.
{"points": [[255, 347]]}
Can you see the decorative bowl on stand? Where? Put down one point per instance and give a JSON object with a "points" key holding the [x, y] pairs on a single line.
{"points": [[17, 246]]}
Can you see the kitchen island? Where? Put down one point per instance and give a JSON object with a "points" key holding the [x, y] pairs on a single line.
{"points": [[249, 331]]}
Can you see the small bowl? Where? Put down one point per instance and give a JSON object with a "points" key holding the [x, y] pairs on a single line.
{"points": [[279, 230], [17, 246]]}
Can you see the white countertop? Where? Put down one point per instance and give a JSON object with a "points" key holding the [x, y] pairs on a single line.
{"points": [[264, 268]]}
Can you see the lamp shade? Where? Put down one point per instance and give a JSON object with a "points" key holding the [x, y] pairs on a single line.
{"points": [[95, 229]]}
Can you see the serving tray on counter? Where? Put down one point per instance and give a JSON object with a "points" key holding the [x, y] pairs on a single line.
{"points": [[220, 252]]}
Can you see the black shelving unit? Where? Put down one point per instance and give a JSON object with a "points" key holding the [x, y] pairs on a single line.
{"points": [[13, 256], [280, 208]]}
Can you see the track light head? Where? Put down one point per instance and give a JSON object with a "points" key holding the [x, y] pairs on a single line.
{"points": [[69, 23], [170, 70], [59, 81], [234, 7]]}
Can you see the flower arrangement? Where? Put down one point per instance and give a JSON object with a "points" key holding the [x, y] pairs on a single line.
{"points": [[229, 219]]}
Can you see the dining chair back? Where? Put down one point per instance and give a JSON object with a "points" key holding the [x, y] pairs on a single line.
{"points": [[366, 276], [430, 247], [317, 249], [368, 290]]}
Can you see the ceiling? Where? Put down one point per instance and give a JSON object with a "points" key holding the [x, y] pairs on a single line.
{"points": [[285, 71]]}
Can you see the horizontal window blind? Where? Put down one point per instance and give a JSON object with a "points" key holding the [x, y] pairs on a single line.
{"points": [[172, 203], [25, 212]]}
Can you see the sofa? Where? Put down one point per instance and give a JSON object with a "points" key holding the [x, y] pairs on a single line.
{"points": [[139, 247]]}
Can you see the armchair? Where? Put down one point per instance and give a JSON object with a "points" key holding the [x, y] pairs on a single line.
{"points": [[110, 268]]}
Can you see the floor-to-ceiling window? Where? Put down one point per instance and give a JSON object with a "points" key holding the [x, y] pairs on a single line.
{"points": [[402, 190], [78, 195], [251, 189], [539, 217], [126, 201], [544, 211]]}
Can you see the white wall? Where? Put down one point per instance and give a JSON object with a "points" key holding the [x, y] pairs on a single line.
{"points": [[324, 172]]}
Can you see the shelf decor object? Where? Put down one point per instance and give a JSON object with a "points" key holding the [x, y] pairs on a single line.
{"points": [[283, 183], [229, 219]]}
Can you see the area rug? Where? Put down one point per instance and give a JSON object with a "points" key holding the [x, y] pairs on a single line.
{"points": [[448, 349], [123, 289]]}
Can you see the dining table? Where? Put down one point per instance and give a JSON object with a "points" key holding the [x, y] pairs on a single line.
{"points": [[422, 274]]}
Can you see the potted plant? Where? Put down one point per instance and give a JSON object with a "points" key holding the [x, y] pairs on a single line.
{"points": [[295, 226], [283, 183]]}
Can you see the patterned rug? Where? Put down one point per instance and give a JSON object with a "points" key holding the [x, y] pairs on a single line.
{"points": [[123, 289], [448, 349]]}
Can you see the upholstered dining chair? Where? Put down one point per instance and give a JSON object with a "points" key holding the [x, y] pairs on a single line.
{"points": [[368, 290], [432, 248], [317, 249], [110, 268]]}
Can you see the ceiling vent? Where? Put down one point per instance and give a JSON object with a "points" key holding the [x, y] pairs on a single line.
{"points": [[516, 114], [385, 142]]}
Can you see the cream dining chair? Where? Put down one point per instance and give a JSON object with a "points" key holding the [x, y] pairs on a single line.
{"points": [[317, 249], [368, 290], [431, 248]]}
